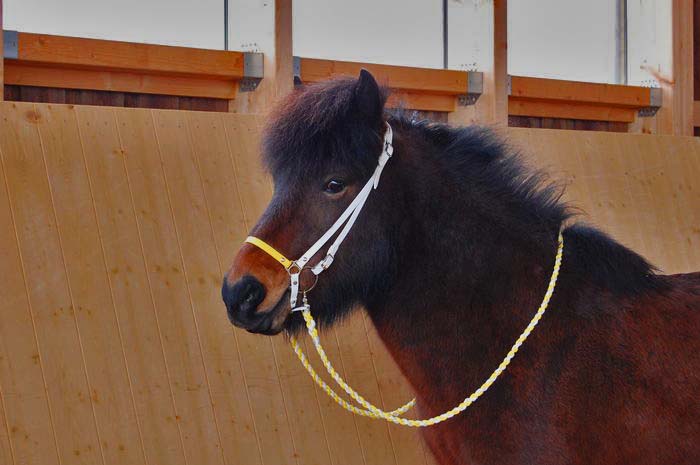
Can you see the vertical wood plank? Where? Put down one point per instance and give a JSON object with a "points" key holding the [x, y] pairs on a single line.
{"points": [[26, 410], [492, 106], [49, 296], [356, 360], [169, 289], [342, 430], [6, 453], [2, 62], [653, 177], [302, 409], [183, 206], [394, 391], [87, 277], [224, 189], [676, 115], [206, 174], [683, 67], [641, 189], [130, 286]]}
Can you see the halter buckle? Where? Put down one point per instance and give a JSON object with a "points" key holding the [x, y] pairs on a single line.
{"points": [[325, 263]]}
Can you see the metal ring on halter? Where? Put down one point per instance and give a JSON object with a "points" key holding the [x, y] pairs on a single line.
{"points": [[313, 285]]}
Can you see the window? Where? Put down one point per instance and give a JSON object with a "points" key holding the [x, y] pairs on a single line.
{"points": [[187, 23], [470, 34], [563, 39], [393, 32], [649, 41]]}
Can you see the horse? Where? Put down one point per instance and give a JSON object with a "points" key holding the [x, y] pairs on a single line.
{"points": [[450, 258]]}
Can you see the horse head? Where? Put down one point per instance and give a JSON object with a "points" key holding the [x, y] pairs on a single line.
{"points": [[321, 147]]}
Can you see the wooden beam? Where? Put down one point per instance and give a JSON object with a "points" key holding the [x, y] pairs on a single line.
{"points": [[78, 53], [492, 106], [106, 65], [696, 113], [406, 78], [570, 110], [278, 61], [680, 119], [500, 62], [422, 102], [579, 92], [19, 73], [676, 75]]}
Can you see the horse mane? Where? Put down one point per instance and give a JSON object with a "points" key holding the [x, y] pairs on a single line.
{"points": [[319, 122], [477, 155]]}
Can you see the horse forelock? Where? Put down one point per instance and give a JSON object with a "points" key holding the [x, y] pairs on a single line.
{"points": [[318, 125]]}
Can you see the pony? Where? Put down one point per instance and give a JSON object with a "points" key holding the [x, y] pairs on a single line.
{"points": [[450, 258]]}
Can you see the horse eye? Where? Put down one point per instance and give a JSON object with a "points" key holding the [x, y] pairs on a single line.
{"points": [[334, 186]]}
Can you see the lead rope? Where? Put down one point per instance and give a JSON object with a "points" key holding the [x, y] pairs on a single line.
{"points": [[393, 416]]}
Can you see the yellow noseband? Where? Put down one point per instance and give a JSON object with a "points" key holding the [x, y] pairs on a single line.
{"points": [[271, 251]]}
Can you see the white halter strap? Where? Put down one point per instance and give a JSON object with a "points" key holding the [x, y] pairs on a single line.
{"points": [[347, 218], [346, 221]]}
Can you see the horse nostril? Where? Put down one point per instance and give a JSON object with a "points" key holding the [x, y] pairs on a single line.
{"points": [[242, 299]]}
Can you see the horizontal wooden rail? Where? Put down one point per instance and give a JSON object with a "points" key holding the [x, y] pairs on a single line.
{"points": [[552, 98], [94, 64], [696, 113], [415, 88]]}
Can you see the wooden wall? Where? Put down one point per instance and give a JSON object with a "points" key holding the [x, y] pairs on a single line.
{"points": [[35, 94], [562, 123], [116, 226]]}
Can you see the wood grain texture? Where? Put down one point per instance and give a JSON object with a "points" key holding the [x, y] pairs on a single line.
{"points": [[579, 92], [50, 298], [569, 110], [420, 80], [131, 216], [2, 62], [24, 74], [105, 65], [80, 52], [129, 283], [28, 420], [111, 390]]}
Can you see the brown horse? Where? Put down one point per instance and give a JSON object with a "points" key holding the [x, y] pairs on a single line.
{"points": [[451, 257]]}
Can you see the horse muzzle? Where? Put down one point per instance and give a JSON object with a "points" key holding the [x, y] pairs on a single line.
{"points": [[242, 300]]}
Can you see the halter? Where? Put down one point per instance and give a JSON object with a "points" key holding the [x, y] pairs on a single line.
{"points": [[294, 268], [348, 218]]}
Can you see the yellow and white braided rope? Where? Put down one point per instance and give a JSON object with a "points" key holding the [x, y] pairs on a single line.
{"points": [[393, 416]]}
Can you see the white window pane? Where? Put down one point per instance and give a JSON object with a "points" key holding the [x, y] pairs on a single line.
{"points": [[470, 35], [562, 39], [395, 32], [648, 41], [171, 22]]}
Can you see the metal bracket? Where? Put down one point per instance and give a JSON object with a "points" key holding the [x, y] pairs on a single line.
{"points": [[475, 87], [10, 44], [296, 68], [252, 71], [655, 100]]}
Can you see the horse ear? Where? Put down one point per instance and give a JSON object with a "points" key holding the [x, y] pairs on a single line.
{"points": [[368, 97]]}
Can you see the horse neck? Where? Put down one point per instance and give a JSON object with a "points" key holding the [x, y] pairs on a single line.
{"points": [[467, 287]]}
